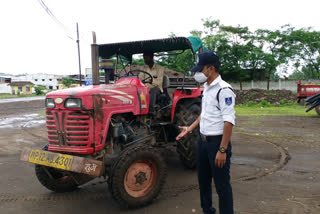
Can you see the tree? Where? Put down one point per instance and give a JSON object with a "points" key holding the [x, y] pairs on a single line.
{"points": [[180, 61], [177, 61], [253, 60], [239, 38], [307, 45], [246, 55], [277, 49], [231, 45], [68, 82], [39, 89], [306, 72]]}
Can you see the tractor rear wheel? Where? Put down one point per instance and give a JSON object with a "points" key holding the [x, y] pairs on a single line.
{"points": [[137, 177], [318, 109], [186, 115], [58, 180]]}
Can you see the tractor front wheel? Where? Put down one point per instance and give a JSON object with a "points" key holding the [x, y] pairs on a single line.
{"points": [[58, 180], [318, 109], [137, 177]]}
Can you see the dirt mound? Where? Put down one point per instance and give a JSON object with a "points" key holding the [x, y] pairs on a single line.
{"points": [[272, 96]]}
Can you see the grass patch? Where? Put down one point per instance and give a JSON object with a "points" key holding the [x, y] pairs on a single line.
{"points": [[282, 110]]}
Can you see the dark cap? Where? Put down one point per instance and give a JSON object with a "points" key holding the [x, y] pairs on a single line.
{"points": [[206, 58]]}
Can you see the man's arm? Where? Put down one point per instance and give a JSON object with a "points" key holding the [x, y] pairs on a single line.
{"points": [[221, 158], [227, 101], [227, 132], [185, 129]]}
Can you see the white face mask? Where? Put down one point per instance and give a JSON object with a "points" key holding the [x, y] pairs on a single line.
{"points": [[200, 77]]}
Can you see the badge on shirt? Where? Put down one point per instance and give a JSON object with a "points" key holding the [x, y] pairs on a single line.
{"points": [[228, 101]]}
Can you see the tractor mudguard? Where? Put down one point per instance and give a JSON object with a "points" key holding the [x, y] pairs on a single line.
{"points": [[184, 94]]}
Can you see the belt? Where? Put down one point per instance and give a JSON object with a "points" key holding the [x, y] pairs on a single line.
{"points": [[210, 138]]}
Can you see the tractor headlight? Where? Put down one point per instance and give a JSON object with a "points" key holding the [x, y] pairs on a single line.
{"points": [[49, 103], [73, 103]]}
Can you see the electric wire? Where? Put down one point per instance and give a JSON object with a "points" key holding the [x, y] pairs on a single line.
{"points": [[49, 12], [54, 18]]}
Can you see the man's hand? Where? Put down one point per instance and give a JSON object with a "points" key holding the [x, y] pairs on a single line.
{"points": [[184, 132], [220, 159]]}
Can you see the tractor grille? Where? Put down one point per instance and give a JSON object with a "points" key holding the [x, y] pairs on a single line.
{"points": [[68, 128]]}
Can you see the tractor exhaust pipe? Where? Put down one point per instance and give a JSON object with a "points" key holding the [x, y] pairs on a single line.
{"points": [[95, 61], [107, 66]]}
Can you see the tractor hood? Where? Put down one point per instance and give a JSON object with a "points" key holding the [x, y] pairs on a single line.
{"points": [[126, 91], [89, 90], [122, 84]]}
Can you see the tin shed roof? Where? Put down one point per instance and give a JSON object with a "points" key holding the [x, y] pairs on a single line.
{"points": [[21, 83]]}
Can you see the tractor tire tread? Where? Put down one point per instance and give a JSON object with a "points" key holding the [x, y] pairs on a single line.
{"points": [[187, 113], [53, 185], [116, 184]]}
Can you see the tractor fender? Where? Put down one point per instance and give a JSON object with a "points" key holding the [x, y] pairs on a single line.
{"points": [[184, 94]]}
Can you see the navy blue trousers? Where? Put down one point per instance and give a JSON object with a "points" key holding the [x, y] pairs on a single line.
{"points": [[206, 155]]}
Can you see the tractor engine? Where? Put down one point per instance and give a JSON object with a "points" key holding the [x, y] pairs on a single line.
{"points": [[126, 129]]}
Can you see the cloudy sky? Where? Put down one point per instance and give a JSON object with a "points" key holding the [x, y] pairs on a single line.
{"points": [[32, 42]]}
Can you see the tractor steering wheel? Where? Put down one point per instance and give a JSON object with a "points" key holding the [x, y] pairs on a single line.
{"points": [[148, 79]]}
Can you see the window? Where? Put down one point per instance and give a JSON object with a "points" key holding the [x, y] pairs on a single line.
{"points": [[27, 88], [42, 80], [50, 87], [36, 80], [50, 79], [19, 88], [57, 87]]}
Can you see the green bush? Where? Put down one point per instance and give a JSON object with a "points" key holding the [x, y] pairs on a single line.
{"points": [[265, 103], [67, 81], [273, 94], [253, 95], [283, 101], [39, 90], [251, 103]]}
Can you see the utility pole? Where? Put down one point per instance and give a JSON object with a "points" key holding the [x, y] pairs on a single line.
{"points": [[78, 42]]}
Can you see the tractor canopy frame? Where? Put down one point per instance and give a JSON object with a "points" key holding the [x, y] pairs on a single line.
{"points": [[127, 49]]}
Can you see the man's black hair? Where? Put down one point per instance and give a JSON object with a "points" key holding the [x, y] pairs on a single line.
{"points": [[216, 66], [148, 53]]}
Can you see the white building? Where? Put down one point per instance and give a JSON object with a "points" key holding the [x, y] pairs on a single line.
{"points": [[5, 88], [50, 81]]}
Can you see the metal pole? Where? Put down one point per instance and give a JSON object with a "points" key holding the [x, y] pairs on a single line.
{"points": [[78, 42], [116, 69], [95, 61]]}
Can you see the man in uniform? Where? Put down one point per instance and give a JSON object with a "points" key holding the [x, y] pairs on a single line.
{"points": [[157, 72], [216, 121]]}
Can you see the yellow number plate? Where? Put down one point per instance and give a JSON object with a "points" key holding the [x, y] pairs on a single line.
{"points": [[50, 159]]}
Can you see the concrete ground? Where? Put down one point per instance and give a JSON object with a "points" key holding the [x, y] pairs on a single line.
{"points": [[275, 169]]}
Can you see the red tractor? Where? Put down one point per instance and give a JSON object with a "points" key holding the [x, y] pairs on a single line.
{"points": [[309, 94], [107, 129]]}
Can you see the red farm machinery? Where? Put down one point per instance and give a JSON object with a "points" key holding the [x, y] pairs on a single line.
{"points": [[107, 130], [309, 94]]}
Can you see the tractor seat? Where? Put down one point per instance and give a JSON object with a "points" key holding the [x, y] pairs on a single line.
{"points": [[165, 82]]}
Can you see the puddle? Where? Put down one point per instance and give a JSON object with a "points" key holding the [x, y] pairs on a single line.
{"points": [[22, 121], [241, 160]]}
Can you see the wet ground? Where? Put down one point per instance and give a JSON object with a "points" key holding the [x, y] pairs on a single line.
{"points": [[275, 169], [21, 99]]}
